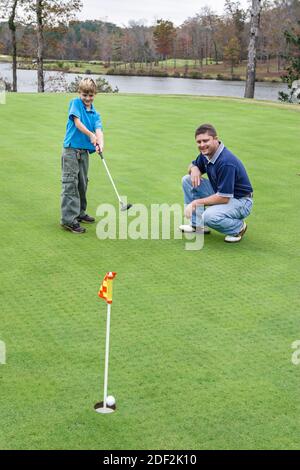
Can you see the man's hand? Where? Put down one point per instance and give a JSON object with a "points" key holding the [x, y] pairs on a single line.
{"points": [[195, 176], [188, 211]]}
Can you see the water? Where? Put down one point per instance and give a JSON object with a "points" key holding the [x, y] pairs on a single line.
{"points": [[27, 82]]}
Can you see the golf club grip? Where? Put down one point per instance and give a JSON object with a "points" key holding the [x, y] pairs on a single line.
{"points": [[100, 153]]}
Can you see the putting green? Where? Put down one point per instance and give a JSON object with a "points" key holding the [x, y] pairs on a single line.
{"points": [[200, 340]]}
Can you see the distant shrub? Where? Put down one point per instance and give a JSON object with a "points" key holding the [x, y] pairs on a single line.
{"points": [[220, 76], [282, 96], [138, 72], [158, 73], [4, 82], [208, 77], [103, 85], [56, 83], [60, 65], [195, 75], [236, 78], [88, 72], [176, 74]]}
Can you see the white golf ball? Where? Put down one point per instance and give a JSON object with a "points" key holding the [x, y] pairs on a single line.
{"points": [[110, 400]]}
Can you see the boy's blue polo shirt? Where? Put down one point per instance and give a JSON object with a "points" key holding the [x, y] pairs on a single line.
{"points": [[226, 173], [91, 119]]}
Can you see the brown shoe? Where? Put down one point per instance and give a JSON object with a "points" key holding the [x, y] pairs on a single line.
{"points": [[87, 219], [238, 237], [74, 228]]}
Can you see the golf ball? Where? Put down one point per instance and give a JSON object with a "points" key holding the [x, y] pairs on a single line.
{"points": [[110, 400]]}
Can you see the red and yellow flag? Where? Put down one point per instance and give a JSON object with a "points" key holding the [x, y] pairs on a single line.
{"points": [[106, 287]]}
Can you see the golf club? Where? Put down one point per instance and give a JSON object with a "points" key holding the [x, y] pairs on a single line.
{"points": [[124, 207]]}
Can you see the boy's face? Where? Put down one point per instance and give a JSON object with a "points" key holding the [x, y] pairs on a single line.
{"points": [[87, 98]]}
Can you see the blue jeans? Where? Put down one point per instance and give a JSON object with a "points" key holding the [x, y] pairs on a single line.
{"points": [[225, 218]]}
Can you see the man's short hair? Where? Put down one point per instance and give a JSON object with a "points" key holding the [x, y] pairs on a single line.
{"points": [[206, 129], [87, 85]]}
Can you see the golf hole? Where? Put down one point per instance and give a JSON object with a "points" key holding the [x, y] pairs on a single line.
{"points": [[99, 408]]}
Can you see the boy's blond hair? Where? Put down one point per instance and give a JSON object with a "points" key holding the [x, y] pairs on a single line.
{"points": [[87, 85]]}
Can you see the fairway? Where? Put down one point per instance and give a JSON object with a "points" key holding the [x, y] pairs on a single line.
{"points": [[200, 340]]}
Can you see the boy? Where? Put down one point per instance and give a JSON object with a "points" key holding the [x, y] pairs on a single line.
{"points": [[83, 136]]}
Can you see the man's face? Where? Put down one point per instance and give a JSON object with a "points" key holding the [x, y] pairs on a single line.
{"points": [[207, 144], [87, 98]]}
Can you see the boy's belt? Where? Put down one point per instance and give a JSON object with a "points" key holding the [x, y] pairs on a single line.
{"points": [[80, 152]]}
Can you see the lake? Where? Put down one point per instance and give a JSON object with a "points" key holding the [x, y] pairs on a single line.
{"points": [[27, 82]]}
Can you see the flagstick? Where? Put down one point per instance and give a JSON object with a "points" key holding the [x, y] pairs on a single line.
{"points": [[106, 354]]}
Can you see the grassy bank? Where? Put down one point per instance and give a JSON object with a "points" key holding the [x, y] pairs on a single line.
{"points": [[178, 68]]}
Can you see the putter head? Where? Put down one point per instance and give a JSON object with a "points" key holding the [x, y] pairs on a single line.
{"points": [[125, 207]]}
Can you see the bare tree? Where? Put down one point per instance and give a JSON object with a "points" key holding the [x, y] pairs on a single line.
{"points": [[40, 45], [48, 13], [251, 66], [9, 8]]}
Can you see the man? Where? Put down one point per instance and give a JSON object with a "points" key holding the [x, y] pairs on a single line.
{"points": [[226, 194]]}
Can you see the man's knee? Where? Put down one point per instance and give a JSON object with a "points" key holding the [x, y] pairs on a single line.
{"points": [[212, 218], [186, 181]]}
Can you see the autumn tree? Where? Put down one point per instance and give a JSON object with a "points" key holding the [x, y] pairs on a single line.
{"points": [[237, 17], [232, 53], [164, 34]]}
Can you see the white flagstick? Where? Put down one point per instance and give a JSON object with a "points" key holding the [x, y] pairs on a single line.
{"points": [[106, 354], [106, 293]]}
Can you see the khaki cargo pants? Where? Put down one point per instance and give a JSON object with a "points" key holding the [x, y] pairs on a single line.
{"points": [[75, 166]]}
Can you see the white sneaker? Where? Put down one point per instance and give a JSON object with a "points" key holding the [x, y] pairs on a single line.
{"points": [[236, 238], [192, 229]]}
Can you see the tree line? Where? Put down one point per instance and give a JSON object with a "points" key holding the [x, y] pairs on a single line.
{"points": [[48, 29]]}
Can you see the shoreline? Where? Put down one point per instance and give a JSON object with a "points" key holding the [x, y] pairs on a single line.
{"points": [[219, 77]]}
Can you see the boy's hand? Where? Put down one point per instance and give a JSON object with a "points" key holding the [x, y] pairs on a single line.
{"points": [[93, 139], [99, 145]]}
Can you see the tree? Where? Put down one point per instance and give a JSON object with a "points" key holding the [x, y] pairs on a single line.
{"points": [[232, 53], [213, 22], [238, 18], [293, 69], [251, 66], [164, 34], [10, 7], [48, 14]]}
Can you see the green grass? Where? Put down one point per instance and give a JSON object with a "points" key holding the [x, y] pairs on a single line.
{"points": [[200, 341]]}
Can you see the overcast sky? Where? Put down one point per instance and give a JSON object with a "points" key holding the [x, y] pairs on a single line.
{"points": [[121, 11]]}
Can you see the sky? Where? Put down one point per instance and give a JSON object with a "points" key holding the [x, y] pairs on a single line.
{"points": [[121, 11]]}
